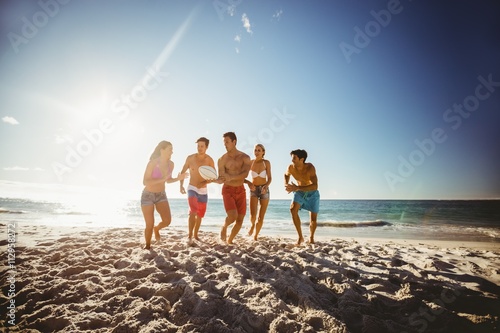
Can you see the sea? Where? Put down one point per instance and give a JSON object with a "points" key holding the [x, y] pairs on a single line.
{"points": [[457, 220]]}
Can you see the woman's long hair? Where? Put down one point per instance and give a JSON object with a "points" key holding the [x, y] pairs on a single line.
{"points": [[160, 146]]}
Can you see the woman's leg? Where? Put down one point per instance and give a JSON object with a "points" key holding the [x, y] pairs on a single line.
{"points": [[149, 216], [163, 208], [260, 221], [253, 213]]}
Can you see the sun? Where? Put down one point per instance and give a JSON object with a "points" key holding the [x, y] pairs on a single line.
{"points": [[92, 106]]}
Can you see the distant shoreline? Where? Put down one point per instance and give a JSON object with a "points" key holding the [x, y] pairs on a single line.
{"points": [[9, 185]]}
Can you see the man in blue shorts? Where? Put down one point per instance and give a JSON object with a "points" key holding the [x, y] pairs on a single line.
{"points": [[305, 193]]}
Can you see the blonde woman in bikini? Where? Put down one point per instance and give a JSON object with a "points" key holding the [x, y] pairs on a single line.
{"points": [[158, 172], [260, 171]]}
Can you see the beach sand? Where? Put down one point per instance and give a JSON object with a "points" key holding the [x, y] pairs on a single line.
{"points": [[73, 280]]}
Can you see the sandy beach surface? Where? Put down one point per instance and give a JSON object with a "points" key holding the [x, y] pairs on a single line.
{"points": [[72, 280]]}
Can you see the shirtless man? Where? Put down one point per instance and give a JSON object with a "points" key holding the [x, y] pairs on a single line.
{"points": [[306, 194], [197, 189], [233, 169]]}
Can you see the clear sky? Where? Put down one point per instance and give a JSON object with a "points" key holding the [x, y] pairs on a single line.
{"points": [[391, 99]]}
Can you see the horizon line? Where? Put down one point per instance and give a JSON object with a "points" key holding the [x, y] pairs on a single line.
{"points": [[20, 183]]}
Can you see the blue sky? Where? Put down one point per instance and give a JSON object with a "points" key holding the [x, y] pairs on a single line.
{"points": [[390, 99]]}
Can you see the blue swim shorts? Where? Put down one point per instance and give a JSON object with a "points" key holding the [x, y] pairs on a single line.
{"points": [[308, 200], [151, 198]]}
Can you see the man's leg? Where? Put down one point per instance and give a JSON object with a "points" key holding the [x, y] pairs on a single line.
{"points": [[200, 213], [232, 215], [230, 207], [193, 207], [191, 224], [197, 227], [240, 199], [236, 228], [312, 226], [294, 210]]}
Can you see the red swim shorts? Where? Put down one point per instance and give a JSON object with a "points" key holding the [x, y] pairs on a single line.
{"points": [[197, 199], [235, 198]]}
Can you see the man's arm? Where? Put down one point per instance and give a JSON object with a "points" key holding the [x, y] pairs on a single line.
{"points": [[184, 169], [314, 180], [211, 162], [288, 186], [287, 176], [247, 164], [221, 170]]}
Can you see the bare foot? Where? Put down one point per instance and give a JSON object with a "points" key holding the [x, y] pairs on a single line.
{"points": [[147, 247], [311, 240], [301, 240], [223, 234], [157, 233], [250, 231]]}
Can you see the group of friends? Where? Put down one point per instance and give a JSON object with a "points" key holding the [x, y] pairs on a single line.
{"points": [[233, 169]]}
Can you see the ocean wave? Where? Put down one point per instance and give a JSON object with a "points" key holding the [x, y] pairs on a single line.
{"points": [[69, 212], [489, 232], [449, 231], [7, 211], [353, 224]]}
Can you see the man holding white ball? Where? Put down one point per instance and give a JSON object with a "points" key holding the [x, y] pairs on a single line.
{"points": [[197, 188]]}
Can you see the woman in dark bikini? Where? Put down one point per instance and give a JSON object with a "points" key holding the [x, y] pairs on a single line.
{"points": [[158, 172], [259, 189]]}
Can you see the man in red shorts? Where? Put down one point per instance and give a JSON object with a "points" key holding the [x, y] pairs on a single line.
{"points": [[233, 169], [197, 188]]}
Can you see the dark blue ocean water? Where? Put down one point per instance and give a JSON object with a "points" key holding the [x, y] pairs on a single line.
{"points": [[475, 220]]}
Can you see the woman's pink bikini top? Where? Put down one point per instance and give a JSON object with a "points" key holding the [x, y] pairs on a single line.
{"points": [[156, 174]]}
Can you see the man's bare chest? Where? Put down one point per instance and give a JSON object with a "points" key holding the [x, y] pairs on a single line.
{"points": [[234, 163]]}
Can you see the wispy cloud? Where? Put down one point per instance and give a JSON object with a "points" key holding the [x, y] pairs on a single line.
{"points": [[237, 38], [62, 138], [231, 10], [16, 168], [92, 178], [278, 14], [10, 120], [246, 23]]}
